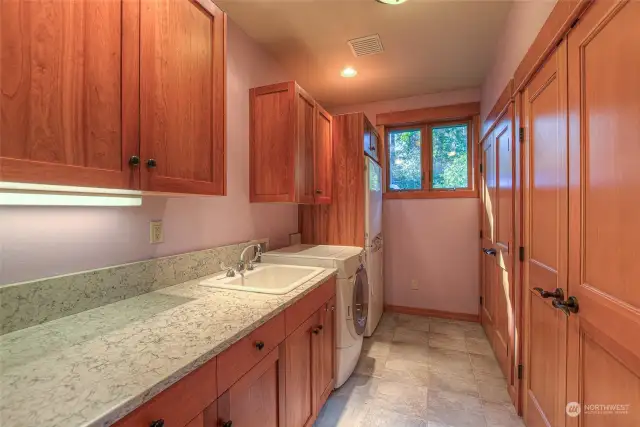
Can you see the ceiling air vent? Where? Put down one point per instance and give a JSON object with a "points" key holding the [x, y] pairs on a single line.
{"points": [[369, 45]]}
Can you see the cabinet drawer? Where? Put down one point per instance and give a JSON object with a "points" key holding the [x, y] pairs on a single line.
{"points": [[179, 404], [238, 359], [303, 309]]}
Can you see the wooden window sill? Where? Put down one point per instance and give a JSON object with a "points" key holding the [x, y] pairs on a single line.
{"points": [[459, 194]]}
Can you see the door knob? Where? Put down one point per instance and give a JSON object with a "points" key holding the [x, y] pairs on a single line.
{"points": [[569, 306], [151, 163], [488, 251], [557, 293], [134, 161], [157, 423], [227, 424], [259, 345], [318, 191]]}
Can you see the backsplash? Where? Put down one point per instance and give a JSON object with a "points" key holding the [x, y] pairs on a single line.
{"points": [[39, 301]]}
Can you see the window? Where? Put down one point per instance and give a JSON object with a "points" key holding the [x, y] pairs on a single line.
{"points": [[430, 160]]}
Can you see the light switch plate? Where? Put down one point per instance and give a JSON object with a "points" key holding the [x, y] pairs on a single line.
{"points": [[414, 285], [156, 233]]}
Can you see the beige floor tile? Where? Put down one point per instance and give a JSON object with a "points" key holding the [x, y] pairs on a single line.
{"points": [[477, 332], [383, 335], [442, 381], [410, 336], [358, 385], [403, 398], [486, 366], [416, 323], [450, 361], [375, 349], [447, 328], [494, 393], [455, 409], [418, 353], [502, 417], [449, 342], [381, 417], [342, 411], [406, 372], [479, 346], [370, 366]]}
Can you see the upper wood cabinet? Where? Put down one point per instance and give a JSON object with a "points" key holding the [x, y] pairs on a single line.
{"points": [[290, 146], [118, 94]]}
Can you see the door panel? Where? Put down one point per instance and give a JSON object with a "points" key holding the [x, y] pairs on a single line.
{"points": [[69, 83], [545, 239], [489, 272], [604, 359], [323, 157], [306, 107], [326, 350], [182, 96]]}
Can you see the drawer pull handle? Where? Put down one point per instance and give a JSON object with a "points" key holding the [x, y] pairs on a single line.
{"points": [[227, 424], [259, 345], [157, 423]]}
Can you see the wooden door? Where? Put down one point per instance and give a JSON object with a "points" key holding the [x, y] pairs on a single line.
{"points": [[489, 266], [504, 335], [604, 206], [254, 401], [69, 101], [305, 116], [545, 240], [323, 168], [299, 349], [325, 354], [182, 96]]}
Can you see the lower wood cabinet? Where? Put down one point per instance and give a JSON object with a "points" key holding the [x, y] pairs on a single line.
{"points": [[255, 400]]}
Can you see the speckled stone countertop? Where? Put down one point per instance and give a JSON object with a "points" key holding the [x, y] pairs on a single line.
{"points": [[94, 367]]}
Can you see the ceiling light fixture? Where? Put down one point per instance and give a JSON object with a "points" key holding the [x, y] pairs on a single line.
{"points": [[391, 2], [348, 72]]}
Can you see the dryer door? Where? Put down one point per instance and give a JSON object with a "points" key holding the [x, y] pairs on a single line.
{"points": [[360, 300]]}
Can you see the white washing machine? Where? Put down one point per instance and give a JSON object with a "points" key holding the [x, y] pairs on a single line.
{"points": [[352, 291]]}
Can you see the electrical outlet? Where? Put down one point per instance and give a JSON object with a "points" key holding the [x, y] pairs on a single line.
{"points": [[156, 234], [414, 285]]}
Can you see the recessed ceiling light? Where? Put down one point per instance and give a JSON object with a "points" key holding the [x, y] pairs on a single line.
{"points": [[348, 72], [393, 2]]}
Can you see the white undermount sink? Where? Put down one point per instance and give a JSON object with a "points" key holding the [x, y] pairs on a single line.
{"points": [[266, 279]]}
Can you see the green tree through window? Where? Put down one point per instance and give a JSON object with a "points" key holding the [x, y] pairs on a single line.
{"points": [[405, 154], [449, 157]]}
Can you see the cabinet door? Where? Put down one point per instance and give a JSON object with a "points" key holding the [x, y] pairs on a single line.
{"points": [[254, 401], [299, 350], [69, 81], [489, 265], [305, 128], [325, 351], [182, 75], [323, 157]]}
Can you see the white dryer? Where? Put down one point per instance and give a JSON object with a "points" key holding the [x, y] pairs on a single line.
{"points": [[352, 291]]}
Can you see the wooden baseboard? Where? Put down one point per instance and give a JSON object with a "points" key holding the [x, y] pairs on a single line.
{"points": [[433, 313]]}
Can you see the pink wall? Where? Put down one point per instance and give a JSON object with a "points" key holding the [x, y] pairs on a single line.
{"points": [[435, 242], [521, 28], [40, 242]]}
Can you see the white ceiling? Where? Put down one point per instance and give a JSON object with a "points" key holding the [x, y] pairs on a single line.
{"points": [[429, 45]]}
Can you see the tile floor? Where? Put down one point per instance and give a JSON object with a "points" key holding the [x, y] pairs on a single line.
{"points": [[423, 372]]}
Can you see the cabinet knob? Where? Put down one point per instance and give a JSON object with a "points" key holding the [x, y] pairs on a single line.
{"points": [[318, 191], [157, 423], [259, 345], [134, 161], [151, 163], [317, 329], [227, 424]]}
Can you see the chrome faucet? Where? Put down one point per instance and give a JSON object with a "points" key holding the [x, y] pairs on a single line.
{"points": [[250, 265]]}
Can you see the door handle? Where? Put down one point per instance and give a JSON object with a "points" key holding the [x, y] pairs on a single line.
{"points": [[557, 293], [491, 252], [569, 306]]}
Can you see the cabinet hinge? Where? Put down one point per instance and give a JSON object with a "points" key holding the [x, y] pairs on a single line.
{"points": [[480, 167], [521, 135], [481, 234], [480, 300], [520, 370], [521, 253]]}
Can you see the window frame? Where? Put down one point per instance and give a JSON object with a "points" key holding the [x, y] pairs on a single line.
{"points": [[427, 191]]}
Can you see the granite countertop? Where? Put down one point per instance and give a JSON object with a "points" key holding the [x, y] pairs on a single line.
{"points": [[94, 367]]}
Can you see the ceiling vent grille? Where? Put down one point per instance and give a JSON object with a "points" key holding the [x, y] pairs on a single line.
{"points": [[369, 45]]}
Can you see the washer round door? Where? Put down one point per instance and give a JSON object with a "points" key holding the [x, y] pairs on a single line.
{"points": [[360, 300]]}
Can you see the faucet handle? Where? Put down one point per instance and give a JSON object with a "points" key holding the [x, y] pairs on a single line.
{"points": [[230, 271]]}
